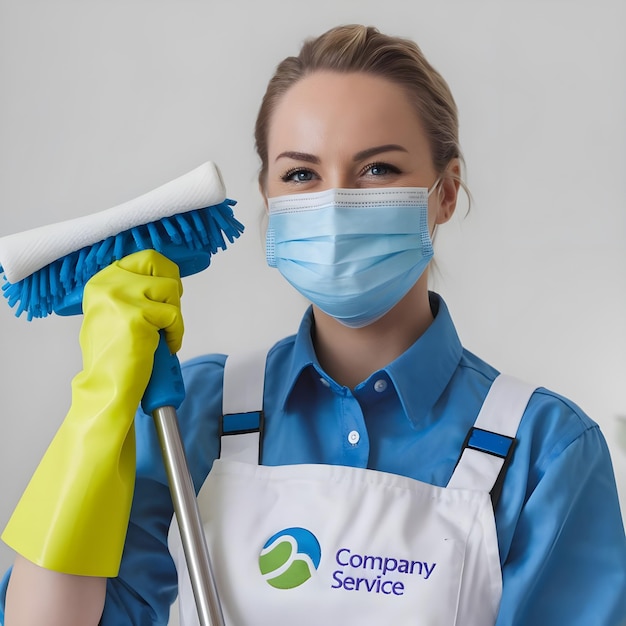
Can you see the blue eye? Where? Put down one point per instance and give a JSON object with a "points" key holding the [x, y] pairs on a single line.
{"points": [[298, 176], [380, 169]]}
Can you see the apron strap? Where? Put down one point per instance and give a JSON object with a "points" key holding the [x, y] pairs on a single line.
{"points": [[241, 423], [489, 444]]}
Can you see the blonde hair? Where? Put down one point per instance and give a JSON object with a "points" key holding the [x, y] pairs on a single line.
{"points": [[356, 48]]}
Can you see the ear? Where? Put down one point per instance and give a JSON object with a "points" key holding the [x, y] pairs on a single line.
{"points": [[448, 191]]}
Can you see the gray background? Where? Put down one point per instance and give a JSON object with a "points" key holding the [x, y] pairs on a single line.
{"points": [[101, 101]]}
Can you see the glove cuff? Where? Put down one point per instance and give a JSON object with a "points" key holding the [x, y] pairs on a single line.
{"points": [[73, 515]]}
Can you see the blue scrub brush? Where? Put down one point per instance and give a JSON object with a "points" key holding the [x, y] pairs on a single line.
{"points": [[188, 220], [45, 270]]}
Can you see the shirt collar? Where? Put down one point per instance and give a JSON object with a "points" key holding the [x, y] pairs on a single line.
{"points": [[421, 374], [430, 361], [303, 355]]}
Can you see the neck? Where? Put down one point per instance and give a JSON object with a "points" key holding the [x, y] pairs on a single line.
{"points": [[350, 355]]}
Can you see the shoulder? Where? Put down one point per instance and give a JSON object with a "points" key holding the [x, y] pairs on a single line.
{"points": [[550, 413], [550, 404], [203, 376], [476, 370], [558, 449], [550, 425], [201, 369], [281, 351], [203, 364]]}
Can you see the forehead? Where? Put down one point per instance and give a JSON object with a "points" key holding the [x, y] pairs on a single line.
{"points": [[325, 109]]}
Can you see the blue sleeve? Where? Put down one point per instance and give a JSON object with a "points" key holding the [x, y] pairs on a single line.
{"points": [[4, 583], [567, 561]]}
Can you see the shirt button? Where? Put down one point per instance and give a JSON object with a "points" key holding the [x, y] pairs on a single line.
{"points": [[324, 382], [380, 385], [353, 437]]}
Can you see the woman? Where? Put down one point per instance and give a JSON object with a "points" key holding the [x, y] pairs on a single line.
{"points": [[386, 447]]}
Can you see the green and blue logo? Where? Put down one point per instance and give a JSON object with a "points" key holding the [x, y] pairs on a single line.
{"points": [[289, 558]]}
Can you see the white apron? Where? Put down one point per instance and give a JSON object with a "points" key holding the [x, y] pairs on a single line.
{"points": [[325, 545]]}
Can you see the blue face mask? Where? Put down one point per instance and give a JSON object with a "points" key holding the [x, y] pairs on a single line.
{"points": [[354, 253]]}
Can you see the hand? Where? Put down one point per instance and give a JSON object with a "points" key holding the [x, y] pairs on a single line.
{"points": [[73, 516]]}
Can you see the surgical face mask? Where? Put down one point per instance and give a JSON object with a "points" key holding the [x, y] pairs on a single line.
{"points": [[354, 253]]}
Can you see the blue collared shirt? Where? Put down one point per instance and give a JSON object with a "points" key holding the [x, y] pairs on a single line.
{"points": [[560, 532]]}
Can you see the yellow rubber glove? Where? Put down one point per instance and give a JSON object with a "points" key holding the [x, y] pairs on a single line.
{"points": [[73, 515]]}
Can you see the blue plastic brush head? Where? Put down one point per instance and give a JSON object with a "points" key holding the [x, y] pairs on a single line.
{"points": [[189, 239]]}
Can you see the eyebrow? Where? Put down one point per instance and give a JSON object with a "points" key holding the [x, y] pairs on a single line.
{"points": [[370, 152], [299, 156], [359, 156]]}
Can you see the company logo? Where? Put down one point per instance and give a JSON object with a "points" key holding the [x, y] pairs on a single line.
{"points": [[290, 557]]}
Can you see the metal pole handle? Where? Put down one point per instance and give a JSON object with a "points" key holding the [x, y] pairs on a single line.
{"points": [[188, 516]]}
